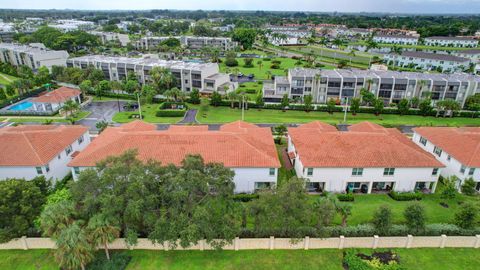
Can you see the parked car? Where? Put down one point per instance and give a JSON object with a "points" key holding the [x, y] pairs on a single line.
{"points": [[250, 76]]}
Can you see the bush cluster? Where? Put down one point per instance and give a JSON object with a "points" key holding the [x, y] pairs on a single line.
{"points": [[348, 197], [244, 197], [405, 196]]}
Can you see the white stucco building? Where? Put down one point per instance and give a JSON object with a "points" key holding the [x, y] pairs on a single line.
{"points": [[457, 148], [428, 61], [32, 55], [467, 42], [32, 151], [106, 37], [396, 39], [54, 100], [367, 158], [245, 148]]}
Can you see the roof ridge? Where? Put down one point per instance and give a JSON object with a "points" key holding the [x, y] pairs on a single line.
{"points": [[253, 146], [31, 146]]}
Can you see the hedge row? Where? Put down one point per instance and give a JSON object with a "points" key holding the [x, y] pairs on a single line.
{"points": [[170, 113], [348, 197], [243, 197], [405, 196], [113, 95], [32, 93]]}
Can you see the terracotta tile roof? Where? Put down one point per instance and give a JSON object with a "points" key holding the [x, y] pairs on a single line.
{"points": [[364, 145], [58, 95], [463, 144], [35, 145], [237, 144]]}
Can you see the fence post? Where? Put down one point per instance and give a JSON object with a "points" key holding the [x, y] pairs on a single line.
{"points": [[165, 245], [375, 241], [443, 240], [202, 244], [477, 242], [24, 242], [409, 241], [272, 243], [307, 243], [236, 243], [342, 242]]}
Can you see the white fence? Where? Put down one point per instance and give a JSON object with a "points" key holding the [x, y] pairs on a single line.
{"points": [[281, 243]]}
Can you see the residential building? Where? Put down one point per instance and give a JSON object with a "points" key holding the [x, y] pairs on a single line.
{"points": [[428, 61], [106, 37], [367, 158], [54, 100], [394, 31], [191, 42], [225, 28], [472, 54], [72, 25], [284, 40], [357, 32], [43, 150], [456, 148], [396, 39], [390, 86], [245, 148], [33, 55], [452, 42], [289, 31], [189, 75]]}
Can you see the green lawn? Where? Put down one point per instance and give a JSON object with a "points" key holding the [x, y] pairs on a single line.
{"points": [[325, 259], [249, 86], [260, 72], [226, 114], [148, 113], [79, 116], [6, 79]]}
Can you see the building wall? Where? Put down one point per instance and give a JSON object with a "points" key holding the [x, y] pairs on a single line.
{"points": [[58, 165], [453, 166], [428, 64], [395, 40], [451, 43]]}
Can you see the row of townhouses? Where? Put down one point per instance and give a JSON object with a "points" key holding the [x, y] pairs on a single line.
{"points": [[366, 158], [396, 39], [465, 42], [191, 42], [106, 37], [429, 61], [391, 86], [189, 75], [33, 55]]}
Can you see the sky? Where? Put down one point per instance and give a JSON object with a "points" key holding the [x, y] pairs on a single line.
{"points": [[390, 6]]}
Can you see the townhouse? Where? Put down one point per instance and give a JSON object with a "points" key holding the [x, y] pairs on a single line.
{"points": [[472, 54], [394, 31], [458, 149], [191, 42], [189, 75], [42, 150], [245, 148], [396, 39], [465, 42], [428, 61], [391, 86], [367, 158], [106, 37], [72, 25], [32, 55]]}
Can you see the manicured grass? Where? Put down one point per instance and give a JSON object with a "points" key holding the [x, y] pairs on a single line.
{"points": [[6, 79], [226, 114], [248, 86], [148, 113], [260, 72], [328, 259], [95, 98], [78, 116]]}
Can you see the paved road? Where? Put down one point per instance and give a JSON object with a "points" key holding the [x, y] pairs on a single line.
{"points": [[100, 111], [189, 118]]}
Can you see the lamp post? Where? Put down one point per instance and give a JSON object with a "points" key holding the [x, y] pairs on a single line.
{"points": [[139, 106], [346, 109]]}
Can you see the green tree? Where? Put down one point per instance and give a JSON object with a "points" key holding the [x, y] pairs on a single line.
{"points": [[367, 96], [245, 36], [103, 231], [466, 216], [147, 93], [86, 86], [403, 106], [285, 102], [415, 217], [382, 219], [195, 96], [449, 190], [344, 210], [355, 105], [131, 86], [230, 59], [3, 96], [307, 101], [414, 102], [70, 107], [248, 62], [449, 106], [163, 79], [425, 107], [10, 90], [331, 105], [215, 99], [468, 187], [101, 88], [101, 126], [20, 204], [259, 99], [42, 76], [73, 247], [378, 106], [326, 209]]}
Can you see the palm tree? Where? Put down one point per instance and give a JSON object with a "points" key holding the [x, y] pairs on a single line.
{"points": [[70, 107], [232, 96], [345, 210], [102, 231], [73, 248], [162, 78]]}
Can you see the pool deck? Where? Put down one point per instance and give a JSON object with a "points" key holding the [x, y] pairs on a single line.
{"points": [[8, 108]]}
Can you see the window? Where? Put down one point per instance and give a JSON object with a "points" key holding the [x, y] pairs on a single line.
{"points": [[59, 156], [39, 170], [471, 171], [437, 151], [423, 141], [357, 171], [76, 170], [435, 171], [80, 140], [272, 172], [263, 185], [47, 168], [309, 171], [389, 171], [462, 169], [68, 150], [449, 157]]}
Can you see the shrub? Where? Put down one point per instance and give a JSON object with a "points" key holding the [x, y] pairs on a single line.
{"points": [[415, 217], [275, 66], [465, 217], [382, 219], [405, 196], [449, 190], [243, 197], [468, 187], [231, 62], [119, 261], [348, 197], [170, 113]]}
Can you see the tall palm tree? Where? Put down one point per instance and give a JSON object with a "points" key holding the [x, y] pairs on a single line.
{"points": [[70, 107], [102, 231], [73, 248], [232, 96]]}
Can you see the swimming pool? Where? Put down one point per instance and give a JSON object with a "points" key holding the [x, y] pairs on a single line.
{"points": [[22, 106]]}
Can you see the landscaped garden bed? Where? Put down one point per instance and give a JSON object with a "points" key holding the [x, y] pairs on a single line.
{"points": [[172, 109], [380, 260]]}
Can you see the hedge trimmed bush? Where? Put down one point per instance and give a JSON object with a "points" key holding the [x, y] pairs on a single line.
{"points": [[243, 197], [170, 113], [118, 261], [167, 105], [348, 197], [113, 95], [405, 196]]}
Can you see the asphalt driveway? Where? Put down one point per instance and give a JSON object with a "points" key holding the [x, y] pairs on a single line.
{"points": [[100, 111]]}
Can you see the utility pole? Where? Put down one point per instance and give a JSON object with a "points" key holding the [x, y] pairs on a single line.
{"points": [[139, 106], [243, 107], [346, 109]]}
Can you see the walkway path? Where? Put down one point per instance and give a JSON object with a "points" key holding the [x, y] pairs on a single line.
{"points": [[189, 118]]}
